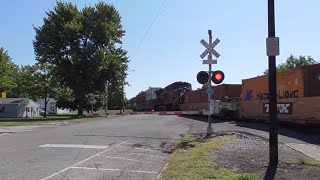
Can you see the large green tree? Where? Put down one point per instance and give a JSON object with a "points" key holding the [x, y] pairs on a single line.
{"points": [[8, 72], [293, 62], [81, 46]]}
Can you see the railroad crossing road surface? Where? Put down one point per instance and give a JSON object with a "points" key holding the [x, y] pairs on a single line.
{"points": [[128, 147]]}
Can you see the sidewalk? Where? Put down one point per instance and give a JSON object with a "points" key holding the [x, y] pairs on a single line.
{"points": [[310, 150]]}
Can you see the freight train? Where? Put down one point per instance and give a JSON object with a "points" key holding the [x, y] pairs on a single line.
{"points": [[179, 96], [298, 94]]}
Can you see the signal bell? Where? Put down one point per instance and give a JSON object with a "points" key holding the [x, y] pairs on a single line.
{"points": [[217, 77], [202, 77]]}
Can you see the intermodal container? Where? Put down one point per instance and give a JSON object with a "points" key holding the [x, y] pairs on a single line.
{"points": [[312, 80], [290, 84]]}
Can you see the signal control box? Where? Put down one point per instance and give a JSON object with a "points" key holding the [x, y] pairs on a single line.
{"points": [[214, 107]]}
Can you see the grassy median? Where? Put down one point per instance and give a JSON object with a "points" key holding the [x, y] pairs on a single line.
{"points": [[195, 159]]}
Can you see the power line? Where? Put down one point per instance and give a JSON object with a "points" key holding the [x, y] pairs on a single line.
{"points": [[152, 23]]}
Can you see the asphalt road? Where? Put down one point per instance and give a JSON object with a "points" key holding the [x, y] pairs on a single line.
{"points": [[129, 147]]}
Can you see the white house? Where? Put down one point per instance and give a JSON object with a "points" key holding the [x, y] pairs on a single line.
{"points": [[18, 108], [51, 107]]}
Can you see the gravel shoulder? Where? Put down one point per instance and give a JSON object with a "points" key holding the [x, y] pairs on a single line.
{"points": [[250, 154]]}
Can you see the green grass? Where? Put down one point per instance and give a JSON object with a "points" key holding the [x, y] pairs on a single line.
{"points": [[49, 120], [193, 159], [306, 161]]}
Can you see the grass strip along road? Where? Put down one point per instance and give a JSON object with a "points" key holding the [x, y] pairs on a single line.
{"points": [[71, 118], [195, 159], [49, 120]]}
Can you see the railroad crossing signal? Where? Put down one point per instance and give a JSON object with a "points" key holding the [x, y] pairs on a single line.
{"points": [[217, 77], [209, 48], [202, 77]]}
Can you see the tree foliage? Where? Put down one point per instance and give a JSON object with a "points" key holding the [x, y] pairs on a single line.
{"points": [[45, 84], [65, 98], [8, 72], [115, 96], [24, 80], [81, 47], [293, 62]]}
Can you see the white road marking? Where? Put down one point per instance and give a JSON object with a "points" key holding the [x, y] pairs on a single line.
{"points": [[113, 157], [54, 174], [102, 169], [76, 164], [75, 146], [138, 148]]}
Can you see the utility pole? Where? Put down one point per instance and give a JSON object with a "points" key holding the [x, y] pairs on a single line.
{"points": [[123, 93], [106, 96], [272, 52]]}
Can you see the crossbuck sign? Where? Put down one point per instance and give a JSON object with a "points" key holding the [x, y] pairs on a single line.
{"points": [[209, 48]]}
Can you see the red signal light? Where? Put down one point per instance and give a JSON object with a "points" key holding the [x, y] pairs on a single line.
{"points": [[217, 77]]}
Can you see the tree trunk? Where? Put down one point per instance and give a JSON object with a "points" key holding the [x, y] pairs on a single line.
{"points": [[80, 108], [81, 103], [80, 98]]}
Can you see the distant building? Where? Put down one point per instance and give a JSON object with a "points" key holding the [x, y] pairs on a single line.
{"points": [[51, 107], [18, 108]]}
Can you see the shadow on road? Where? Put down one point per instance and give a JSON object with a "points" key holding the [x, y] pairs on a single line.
{"points": [[304, 133]]}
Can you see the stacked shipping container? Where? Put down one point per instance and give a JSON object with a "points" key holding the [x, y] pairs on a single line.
{"points": [[298, 93]]}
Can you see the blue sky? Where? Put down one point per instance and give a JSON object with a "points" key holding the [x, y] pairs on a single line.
{"points": [[171, 50]]}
